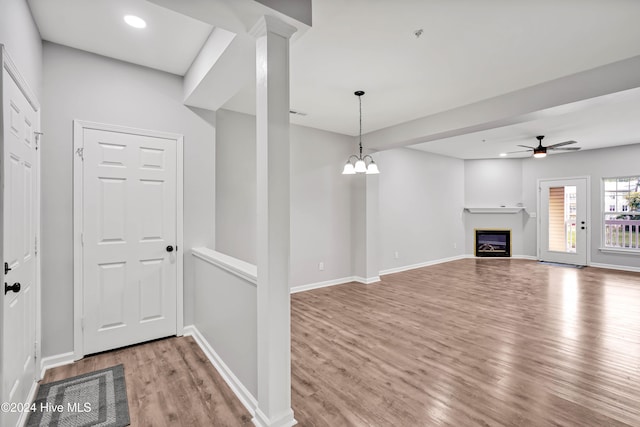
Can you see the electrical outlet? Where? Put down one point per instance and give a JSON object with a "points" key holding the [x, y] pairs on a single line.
{"points": [[396, 255], [532, 214], [321, 266]]}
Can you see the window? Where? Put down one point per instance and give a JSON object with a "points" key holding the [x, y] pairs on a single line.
{"points": [[622, 213]]}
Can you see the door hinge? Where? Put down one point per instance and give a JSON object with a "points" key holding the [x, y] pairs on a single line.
{"points": [[82, 323], [35, 246], [80, 153], [82, 239], [35, 349]]}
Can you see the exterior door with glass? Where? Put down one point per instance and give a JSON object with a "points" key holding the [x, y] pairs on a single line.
{"points": [[563, 226]]}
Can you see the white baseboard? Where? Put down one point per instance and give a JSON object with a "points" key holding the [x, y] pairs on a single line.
{"points": [[285, 420], [310, 286], [342, 281], [244, 395], [31, 397], [528, 257], [616, 267], [422, 264], [47, 363], [366, 280]]}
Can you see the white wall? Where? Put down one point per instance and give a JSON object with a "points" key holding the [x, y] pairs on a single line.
{"points": [[235, 189], [79, 85], [320, 206], [320, 198], [504, 181], [598, 164], [20, 36], [421, 200], [494, 183], [225, 313]]}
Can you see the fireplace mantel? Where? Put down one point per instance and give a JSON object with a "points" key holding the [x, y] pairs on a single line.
{"points": [[495, 209]]}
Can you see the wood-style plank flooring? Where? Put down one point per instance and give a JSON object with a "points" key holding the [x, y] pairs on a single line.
{"points": [[466, 343], [170, 383], [470, 343]]}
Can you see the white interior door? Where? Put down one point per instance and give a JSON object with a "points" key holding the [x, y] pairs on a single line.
{"points": [[129, 263], [563, 221], [19, 179]]}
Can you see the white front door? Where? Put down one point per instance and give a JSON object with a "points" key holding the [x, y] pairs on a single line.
{"points": [[19, 179], [129, 268], [563, 221]]}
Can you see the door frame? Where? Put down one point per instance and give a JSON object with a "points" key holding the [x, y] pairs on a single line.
{"points": [[23, 86], [587, 213], [79, 127]]}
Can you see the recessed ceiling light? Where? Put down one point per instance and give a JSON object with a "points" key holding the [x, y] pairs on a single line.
{"points": [[503, 154], [135, 21]]}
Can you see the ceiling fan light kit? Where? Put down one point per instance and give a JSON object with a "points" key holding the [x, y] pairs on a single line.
{"points": [[359, 163], [540, 151]]}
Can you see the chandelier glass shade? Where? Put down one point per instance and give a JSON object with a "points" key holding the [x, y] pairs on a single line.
{"points": [[359, 163]]}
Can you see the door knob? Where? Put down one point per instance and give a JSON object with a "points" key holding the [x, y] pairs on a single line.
{"points": [[15, 288], [169, 248], [582, 228]]}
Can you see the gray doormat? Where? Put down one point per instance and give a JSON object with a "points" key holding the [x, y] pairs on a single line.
{"points": [[98, 398]]}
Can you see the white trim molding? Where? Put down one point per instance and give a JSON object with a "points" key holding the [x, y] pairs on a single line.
{"points": [[13, 71], [616, 267], [421, 264], [366, 280], [237, 267], [243, 394], [620, 251], [284, 420], [325, 284], [527, 257], [51, 362], [494, 210], [31, 396], [79, 126]]}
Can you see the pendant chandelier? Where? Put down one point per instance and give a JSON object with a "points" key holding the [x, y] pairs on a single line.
{"points": [[360, 164]]}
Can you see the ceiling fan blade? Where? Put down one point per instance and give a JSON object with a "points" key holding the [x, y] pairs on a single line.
{"points": [[520, 151], [564, 149], [560, 144], [526, 146]]}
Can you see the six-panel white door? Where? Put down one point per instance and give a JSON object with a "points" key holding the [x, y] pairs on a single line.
{"points": [[129, 237], [19, 178]]}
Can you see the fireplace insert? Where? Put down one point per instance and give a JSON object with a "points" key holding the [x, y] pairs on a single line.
{"points": [[493, 243]]}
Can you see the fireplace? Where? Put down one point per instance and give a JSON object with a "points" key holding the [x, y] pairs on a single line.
{"points": [[493, 243]]}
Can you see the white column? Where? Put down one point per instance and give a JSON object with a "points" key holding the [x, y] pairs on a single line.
{"points": [[372, 229], [273, 206], [365, 228]]}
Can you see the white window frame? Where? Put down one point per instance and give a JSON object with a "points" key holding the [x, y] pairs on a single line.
{"points": [[605, 205]]}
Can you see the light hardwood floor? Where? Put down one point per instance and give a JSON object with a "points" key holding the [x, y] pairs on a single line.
{"points": [[466, 343], [170, 383], [470, 343]]}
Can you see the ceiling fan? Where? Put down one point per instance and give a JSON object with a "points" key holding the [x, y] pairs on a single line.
{"points": [[541, 151]]}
